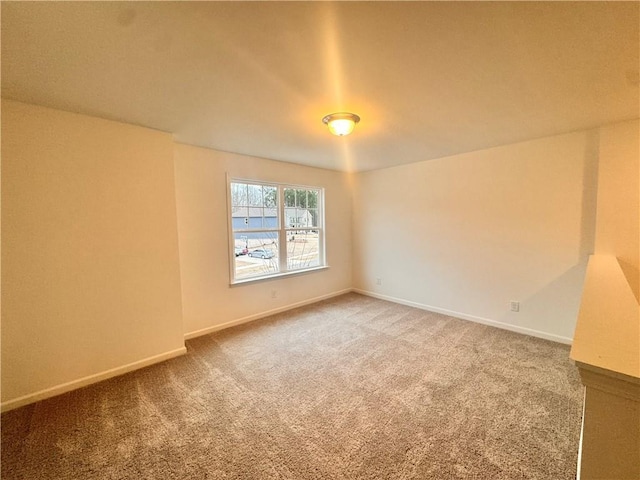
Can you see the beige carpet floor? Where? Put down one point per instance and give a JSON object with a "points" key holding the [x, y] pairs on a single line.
{"points": [[349, 388]]}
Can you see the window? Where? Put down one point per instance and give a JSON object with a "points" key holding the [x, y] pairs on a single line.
{"points": [[275, 229]]}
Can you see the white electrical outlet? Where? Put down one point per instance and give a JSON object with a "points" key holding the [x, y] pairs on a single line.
{"points": [[378, 281], [515, 306]]}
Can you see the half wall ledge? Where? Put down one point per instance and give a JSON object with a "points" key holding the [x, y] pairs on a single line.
{"points": [[606, 350]]}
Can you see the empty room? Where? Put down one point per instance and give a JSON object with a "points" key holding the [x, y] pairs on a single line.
{"points": [[320, 240]]}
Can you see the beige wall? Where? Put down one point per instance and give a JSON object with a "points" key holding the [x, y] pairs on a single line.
{"points": [[90, 279], [618, 217], [94, 284], [469, 233], [201, 191]]}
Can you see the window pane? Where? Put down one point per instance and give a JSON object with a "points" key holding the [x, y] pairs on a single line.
{"points": [[253, 206], [270, 218], [313, 217], [289, 197], [290, 217], [239, 194], [252, 195], [270, 197], [302, 250], [240, 218], [255, 195], [261, 257], [312, 198]]}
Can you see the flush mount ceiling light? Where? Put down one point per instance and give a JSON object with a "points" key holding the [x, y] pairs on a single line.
{"points": [[342, 123]]}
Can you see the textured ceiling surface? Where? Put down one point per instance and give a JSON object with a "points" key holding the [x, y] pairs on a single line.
{"points": [[429, 79]]}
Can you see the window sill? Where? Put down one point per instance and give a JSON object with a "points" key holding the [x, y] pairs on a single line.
{"points": [[277, 276]]}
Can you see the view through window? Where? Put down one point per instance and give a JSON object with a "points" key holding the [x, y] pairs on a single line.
{"points": [[276, 228]]}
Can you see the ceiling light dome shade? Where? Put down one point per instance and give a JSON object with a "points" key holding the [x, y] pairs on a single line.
{"points": [[342, 123]]}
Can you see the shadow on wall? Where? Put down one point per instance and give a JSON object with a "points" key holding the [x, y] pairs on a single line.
{"points": [[563, 294], [589, 194], [633, 277], [555, 297]]}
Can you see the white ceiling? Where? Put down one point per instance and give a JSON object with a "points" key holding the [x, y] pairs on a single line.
{"points": [[429, 79]]}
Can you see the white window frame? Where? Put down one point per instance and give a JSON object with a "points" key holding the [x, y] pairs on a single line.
{"points": [[282, 230]]}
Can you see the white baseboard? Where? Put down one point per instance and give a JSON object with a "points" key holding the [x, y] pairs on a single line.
{"points": [[83, 382], [251, 318], [472, 318]]}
